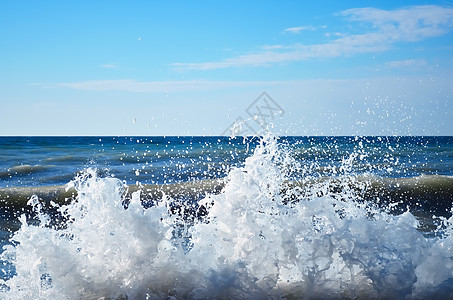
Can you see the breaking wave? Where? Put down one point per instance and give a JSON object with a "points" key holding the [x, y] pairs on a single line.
{"points": [[258, 235]]}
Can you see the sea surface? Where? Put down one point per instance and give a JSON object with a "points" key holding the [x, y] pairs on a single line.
{"points": [[221, 217]]}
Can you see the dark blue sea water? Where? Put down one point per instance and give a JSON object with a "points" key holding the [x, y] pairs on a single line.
{"points": [[39, 161], [210, 217]]}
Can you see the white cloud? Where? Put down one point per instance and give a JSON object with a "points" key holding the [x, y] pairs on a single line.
{"points": [[131, 85], [408, 24], [406, 63], [273, 47], [299, 29], [109, 66], [345, 46]]}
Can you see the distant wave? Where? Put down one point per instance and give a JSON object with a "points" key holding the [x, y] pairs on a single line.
{"points": [[17, 197], [66, 158], [23, 170], [435, 191]]}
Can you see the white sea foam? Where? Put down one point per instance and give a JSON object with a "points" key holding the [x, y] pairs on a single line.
{"points": [[261, 239]]}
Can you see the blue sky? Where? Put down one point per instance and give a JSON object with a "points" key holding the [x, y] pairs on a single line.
{"points": [[195, 67]]}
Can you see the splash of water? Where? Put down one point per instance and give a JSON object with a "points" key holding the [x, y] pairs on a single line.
{"points": [[263, 237]]}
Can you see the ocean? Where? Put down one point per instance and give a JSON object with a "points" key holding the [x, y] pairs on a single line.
{"points": [[226, 217]]}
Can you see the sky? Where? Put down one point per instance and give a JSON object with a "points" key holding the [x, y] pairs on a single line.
{"points": [[226, 67]]}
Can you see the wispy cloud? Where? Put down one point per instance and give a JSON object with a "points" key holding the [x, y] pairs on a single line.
{"points": [[407, 24], [407, 63], [131, 85], [109, 66], [300, 28], [345, 46]]}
